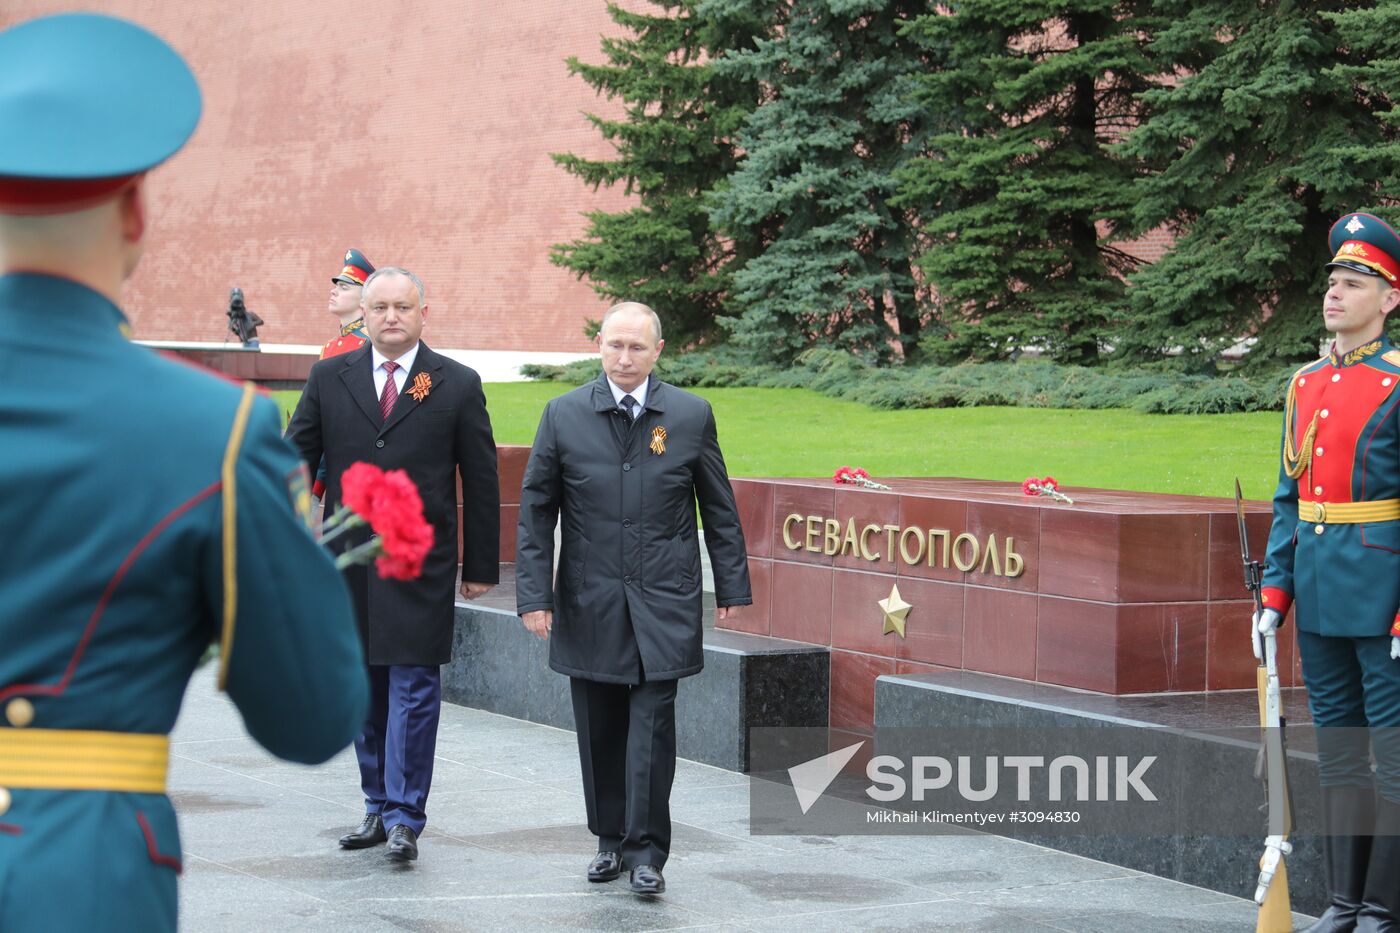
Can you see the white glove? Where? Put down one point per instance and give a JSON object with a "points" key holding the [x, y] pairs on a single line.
{"points": [[1395, 647], [1265, 621]]}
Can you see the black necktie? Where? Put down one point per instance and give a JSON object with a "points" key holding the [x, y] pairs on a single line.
{"points": [[625, 406]]}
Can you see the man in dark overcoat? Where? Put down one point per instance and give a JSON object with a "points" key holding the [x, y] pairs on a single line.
{"points": [[620, 464], [396, 404]]}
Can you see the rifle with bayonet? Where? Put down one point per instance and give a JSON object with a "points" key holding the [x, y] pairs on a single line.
{"points": [[1271, 891]]}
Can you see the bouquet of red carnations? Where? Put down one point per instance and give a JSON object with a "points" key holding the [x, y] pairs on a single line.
{"points": [[389, 503], [855, 476], [1036, 486]]}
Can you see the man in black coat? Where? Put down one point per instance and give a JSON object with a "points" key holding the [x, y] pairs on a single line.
{"points": [[396, 404], [624, 460]]}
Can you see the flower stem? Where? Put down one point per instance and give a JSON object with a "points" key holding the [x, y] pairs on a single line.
{"points": [[342, 521], [360, 554]]}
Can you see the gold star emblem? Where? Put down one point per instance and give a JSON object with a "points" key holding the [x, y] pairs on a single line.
{"points": [[895, 610]]}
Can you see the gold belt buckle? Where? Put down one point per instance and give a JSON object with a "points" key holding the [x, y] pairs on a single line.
{"points": [[1319, 512]]}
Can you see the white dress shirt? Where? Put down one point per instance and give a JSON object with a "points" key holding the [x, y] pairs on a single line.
{"points": [[400, 375], [639, 393]]}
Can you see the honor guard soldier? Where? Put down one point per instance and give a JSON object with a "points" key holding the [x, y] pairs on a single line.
{"points": [[346, 289], [148, 508], [1334, 557]]}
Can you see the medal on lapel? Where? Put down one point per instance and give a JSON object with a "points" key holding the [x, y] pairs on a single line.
{"points": [[658, 441], [422, 385]]}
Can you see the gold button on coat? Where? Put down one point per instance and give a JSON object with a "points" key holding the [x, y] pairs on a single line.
{"points": [[20, 712], [4, 801]]}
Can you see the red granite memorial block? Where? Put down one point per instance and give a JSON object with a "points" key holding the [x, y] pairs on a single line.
{"points": [[1231, 663], [1121, 592], [1019, 524], [754, 499], [1077, 644], [853, 689], [1226, 570], [510, 470], [1161, 648], [933, 630], [806, 501], [999, 632], [864, 507], [913, 667], [1122, 648], [856, 623], [510, 517], [929, 512], [1124, 558], [800, 607], [754, 618]]}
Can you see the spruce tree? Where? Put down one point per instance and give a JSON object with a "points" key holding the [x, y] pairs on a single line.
{"points": [[1264, 142], [818, 172], [1373, 33], [1021, 201], [673, 145]]}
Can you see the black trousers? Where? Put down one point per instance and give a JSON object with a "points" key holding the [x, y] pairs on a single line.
{"points": [[627, 747]]}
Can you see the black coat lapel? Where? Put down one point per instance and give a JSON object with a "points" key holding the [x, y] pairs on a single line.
{"points": [[425, 362], [358, 376]]}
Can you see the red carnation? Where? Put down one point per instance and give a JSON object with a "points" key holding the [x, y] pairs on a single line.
{"points": [[1028, 485], [389, 503], [358, 486], [397, 517], [1049, 483]]}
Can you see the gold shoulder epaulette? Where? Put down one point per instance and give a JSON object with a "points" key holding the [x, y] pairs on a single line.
{"points": [[1392, 357]]}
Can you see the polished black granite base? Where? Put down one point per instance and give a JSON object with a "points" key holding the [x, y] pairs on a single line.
{"points": [[1217, 721], [748, 681]]}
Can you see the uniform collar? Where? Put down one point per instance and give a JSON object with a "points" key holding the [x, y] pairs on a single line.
{"points": [[356, 327], [1362, 353], [63, 304]]}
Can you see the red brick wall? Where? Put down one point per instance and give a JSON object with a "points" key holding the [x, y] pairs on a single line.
{"points": [[416, 130]]}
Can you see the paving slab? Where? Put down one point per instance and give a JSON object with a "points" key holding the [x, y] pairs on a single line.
{"points": [[506, 846]]}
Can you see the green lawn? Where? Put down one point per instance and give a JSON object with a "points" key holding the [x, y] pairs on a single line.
{"points": [[795, 432]]}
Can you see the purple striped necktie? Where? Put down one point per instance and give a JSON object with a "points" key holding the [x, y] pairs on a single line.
{"points": [[390, 395]]}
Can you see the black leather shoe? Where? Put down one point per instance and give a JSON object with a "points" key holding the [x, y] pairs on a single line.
{"points": [[646, 879], [370, 833], [605, 866], [403, 844]]}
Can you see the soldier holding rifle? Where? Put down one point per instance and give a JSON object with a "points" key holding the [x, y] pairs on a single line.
{"points": [[1334, 557]]}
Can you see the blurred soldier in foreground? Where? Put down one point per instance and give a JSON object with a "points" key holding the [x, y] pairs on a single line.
{"points": [[148, 508]]}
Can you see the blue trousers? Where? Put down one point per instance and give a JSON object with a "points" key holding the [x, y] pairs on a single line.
{"points": [[396, 747], [1354, 695]]}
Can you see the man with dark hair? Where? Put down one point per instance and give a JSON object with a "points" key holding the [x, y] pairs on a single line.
{"points": [[1334, 557], [109, 600]]}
